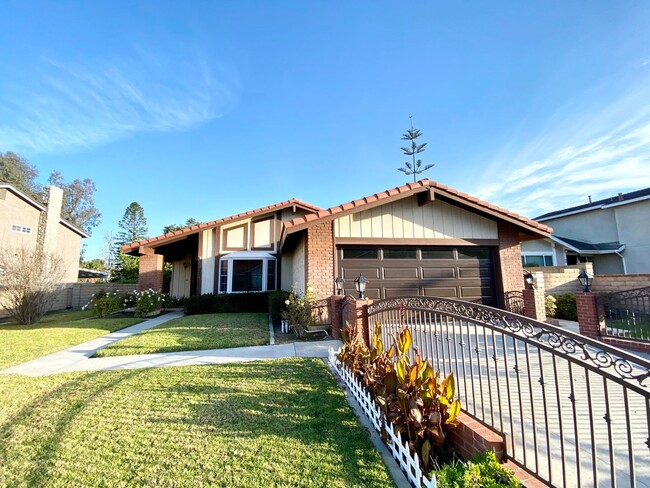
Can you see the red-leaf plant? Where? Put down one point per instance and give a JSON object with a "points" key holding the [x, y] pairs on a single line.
{"points": [[418, 402]]}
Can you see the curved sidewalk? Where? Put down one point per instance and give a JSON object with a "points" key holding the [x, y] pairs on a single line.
{"points": [[78, 358]]}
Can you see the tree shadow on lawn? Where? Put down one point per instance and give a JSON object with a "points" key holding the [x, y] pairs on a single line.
{"points": [[313, 411], [70, 399], [248, 406]]}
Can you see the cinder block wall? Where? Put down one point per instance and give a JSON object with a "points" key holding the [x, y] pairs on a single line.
{"points": [[615, 282], [562, 279]]}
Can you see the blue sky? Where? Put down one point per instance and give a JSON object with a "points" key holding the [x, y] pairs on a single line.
{"points": [[205, 109]]}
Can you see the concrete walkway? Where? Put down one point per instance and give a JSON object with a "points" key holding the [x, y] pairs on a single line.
{"points": [[78, 358]]}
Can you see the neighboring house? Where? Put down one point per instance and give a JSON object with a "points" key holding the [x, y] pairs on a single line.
{"points": [[613, 234], [419, 239], [27, 224]]}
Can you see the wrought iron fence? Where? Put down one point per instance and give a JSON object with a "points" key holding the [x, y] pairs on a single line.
{"points": [[627, 314], [572, 410], [514, 301]]}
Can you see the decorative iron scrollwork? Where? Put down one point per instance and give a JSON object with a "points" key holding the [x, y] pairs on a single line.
{"points": [[599, 355]]}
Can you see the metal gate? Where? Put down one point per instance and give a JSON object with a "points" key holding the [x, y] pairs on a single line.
{"points": [[572, 410]]}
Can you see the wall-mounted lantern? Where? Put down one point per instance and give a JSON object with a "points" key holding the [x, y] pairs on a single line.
{"points": [[529, 279]]}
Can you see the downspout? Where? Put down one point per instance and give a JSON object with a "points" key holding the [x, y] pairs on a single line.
{"points": [[623, 261]]}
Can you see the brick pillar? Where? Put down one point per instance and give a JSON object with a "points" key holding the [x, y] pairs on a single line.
{"points": [[509, 259], [320, 259], [590, 316], [151, 272], [535, 299], [356, 311], [336, 303]]}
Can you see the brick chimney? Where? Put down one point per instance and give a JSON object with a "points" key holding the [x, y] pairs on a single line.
{"points": [[48, 226]]}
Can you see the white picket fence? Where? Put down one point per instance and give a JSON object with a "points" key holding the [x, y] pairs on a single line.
{"points": [[410, 464]]}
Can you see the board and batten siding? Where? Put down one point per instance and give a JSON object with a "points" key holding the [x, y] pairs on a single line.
{"points": [[207, 261], [404, 219]]}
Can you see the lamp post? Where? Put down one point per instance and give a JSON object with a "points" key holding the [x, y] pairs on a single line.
{"points": [[585, 280], [339, 285], [360, 284]]}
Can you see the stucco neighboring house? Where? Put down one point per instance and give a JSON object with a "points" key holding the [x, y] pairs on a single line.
{"points": [[613, 234], [28, 224], [419, 239]]}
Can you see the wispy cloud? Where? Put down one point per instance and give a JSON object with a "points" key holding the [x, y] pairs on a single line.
{"points": [[597, 151], [64, 105]]}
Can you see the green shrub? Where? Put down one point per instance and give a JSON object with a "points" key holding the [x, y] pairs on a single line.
{"points": [[566, 307], [276, 304], [483, 470], [414, 398], [147, 301], [106, 305], [257, 302], [550, 306]]}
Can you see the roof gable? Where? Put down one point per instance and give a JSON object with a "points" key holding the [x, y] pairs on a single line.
{"points": [[431, 190], [620, 199], [172, 236], [41, 208]]}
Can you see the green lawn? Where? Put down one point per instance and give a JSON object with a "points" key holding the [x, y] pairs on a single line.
{"points": [[56, 331], [263, 424], [195, 332]]}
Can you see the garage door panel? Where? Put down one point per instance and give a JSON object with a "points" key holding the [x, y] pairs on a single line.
{"points": [[400, 273], [353, 273], [441, 292], [474, 272], [401, 292], [436, 273]]}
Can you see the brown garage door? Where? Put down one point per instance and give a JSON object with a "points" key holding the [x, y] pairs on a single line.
{"points": [[452, 272]]}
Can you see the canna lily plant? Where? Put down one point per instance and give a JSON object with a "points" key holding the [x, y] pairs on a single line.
{"points": [[417, 400]]}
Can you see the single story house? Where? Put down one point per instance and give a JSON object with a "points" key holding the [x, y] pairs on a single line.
{"points": [[613, 234], [419, 239]]}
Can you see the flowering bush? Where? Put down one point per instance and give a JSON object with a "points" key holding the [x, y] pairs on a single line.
{"points": [[103, 304], [551, 307], [298, 310], [147, 301]]}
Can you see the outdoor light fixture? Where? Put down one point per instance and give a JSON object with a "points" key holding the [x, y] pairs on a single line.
{"points": [[585, 280], [339, 285], [360, 284], [529, 279]]}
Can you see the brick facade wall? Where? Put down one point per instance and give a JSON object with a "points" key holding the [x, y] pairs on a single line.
{"points": [[319, 257], [151, 272], [509, 258]]}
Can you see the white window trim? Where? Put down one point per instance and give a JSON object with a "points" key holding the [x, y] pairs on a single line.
{"points": [[248, 256], [544, 254]]}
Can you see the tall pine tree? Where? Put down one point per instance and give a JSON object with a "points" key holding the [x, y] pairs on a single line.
{"points": [[133, 228], [413, 167]]}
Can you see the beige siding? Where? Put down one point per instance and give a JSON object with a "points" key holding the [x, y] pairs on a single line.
{"points": [[207, 261], [263, 235], [293, 268], [15, 211], [68, 248], [405, 219]]}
